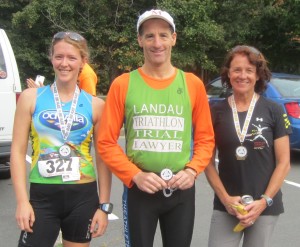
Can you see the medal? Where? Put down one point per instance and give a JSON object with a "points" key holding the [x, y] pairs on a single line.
{"points": [[65, 127], [168, 192], [241, 153], [65, 151], [166, 174]]}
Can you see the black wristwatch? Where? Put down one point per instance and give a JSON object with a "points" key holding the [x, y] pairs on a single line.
{"points": [[269, 200], [106, 207]]}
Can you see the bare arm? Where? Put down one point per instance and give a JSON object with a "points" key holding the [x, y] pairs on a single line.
{"points": [[282, 155], [215, 182], [25, 107], [100, 220]]}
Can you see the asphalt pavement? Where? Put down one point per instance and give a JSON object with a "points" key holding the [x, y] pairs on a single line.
{"points": [[286, 233]]}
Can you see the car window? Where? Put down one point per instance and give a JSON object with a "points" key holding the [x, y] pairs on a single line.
{"points": [[214, 89], [2, 65], [287, 87]]}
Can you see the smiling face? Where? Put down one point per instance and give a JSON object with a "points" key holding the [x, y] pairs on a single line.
{"points": [[67, 62], [242, 75], [157, 41]]}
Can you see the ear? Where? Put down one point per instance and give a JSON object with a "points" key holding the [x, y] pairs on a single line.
{"points": [[84, 61], [257, 77], [174, 37], [139, 38]]}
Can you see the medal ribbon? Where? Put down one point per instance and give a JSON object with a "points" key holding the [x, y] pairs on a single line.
{"points": [[242, 135], [65, 128]]}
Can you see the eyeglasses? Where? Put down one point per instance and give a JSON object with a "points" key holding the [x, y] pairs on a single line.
{"points": [[73, 36], [243, 47]]}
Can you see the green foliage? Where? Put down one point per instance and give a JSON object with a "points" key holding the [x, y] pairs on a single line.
{"points": [[278, 35], [197, 32], [206, 29]]}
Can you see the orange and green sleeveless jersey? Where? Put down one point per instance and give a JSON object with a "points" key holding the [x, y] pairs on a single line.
{"points": [[167, 125], [158, 124]]}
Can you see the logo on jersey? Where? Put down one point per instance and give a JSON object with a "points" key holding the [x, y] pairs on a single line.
{"points": [[49, 118], [257, 135], [286, 121]]}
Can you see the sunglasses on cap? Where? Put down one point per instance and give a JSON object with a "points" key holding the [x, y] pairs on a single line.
{"points": [[70, 35]]}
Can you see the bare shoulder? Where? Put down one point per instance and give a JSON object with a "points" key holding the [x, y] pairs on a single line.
{"points": [[28, 95], [98, 106], [28, 92], [27, 100], [98, 102]]}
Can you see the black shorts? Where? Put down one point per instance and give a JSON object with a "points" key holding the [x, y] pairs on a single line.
{"points": [[69, 207], [142, 212]]}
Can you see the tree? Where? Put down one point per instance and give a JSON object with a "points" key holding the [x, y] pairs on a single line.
{"points": [[107, 25], [206, 30], [200, 37], [278, 34], [270, 25]]}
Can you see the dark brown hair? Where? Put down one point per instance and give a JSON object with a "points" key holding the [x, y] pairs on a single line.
{"points": [[255, 58]]}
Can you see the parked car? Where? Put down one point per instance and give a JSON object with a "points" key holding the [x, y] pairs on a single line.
{"points": [[10, 88], [282, 88]]}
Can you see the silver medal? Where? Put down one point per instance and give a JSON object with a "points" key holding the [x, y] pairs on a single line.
{"points": [[166, 174], [168, 192], [65, 151], [241, 153]]}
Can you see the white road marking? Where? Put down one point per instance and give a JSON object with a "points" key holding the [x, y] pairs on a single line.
{"points": [[292, 183]]}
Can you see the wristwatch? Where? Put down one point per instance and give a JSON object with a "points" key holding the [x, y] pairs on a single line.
{"points": [[268, 200], [106, 207]]}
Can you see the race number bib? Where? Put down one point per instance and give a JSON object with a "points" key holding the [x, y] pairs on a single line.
{"points": [[67, 168]]}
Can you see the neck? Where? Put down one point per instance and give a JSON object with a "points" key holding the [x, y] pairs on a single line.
{"points": [[66, 91], [242, 101], [159, 72]]}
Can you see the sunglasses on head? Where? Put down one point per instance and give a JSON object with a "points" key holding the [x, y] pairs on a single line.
{"points": [[251, 48], [70, 35]]}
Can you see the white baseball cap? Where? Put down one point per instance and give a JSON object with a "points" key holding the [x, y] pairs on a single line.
{"points": [[155, 13]]}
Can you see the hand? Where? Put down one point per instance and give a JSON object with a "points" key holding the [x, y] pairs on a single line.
{"points": [[183, 180], [25, 216], [31, 83], [149, 182], [99, 223], [254, 211], [230, 202]]}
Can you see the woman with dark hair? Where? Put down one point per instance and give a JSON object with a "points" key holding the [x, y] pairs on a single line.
{"points": [[252, 141]]}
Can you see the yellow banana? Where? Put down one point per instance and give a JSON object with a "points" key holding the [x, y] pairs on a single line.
{"points": [[241, 210]]}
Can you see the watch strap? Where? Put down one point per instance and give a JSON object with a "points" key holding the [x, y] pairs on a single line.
{"points": [[106, 207], [268, 199]]}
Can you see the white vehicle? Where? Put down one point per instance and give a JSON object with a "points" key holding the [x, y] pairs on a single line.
{"points": [[10, 89]]}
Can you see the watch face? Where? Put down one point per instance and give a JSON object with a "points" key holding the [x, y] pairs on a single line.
{"points": [[269, 202], [107, 207]]}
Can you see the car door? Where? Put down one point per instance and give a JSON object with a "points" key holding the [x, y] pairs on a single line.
{"points": [[10, 88]]}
